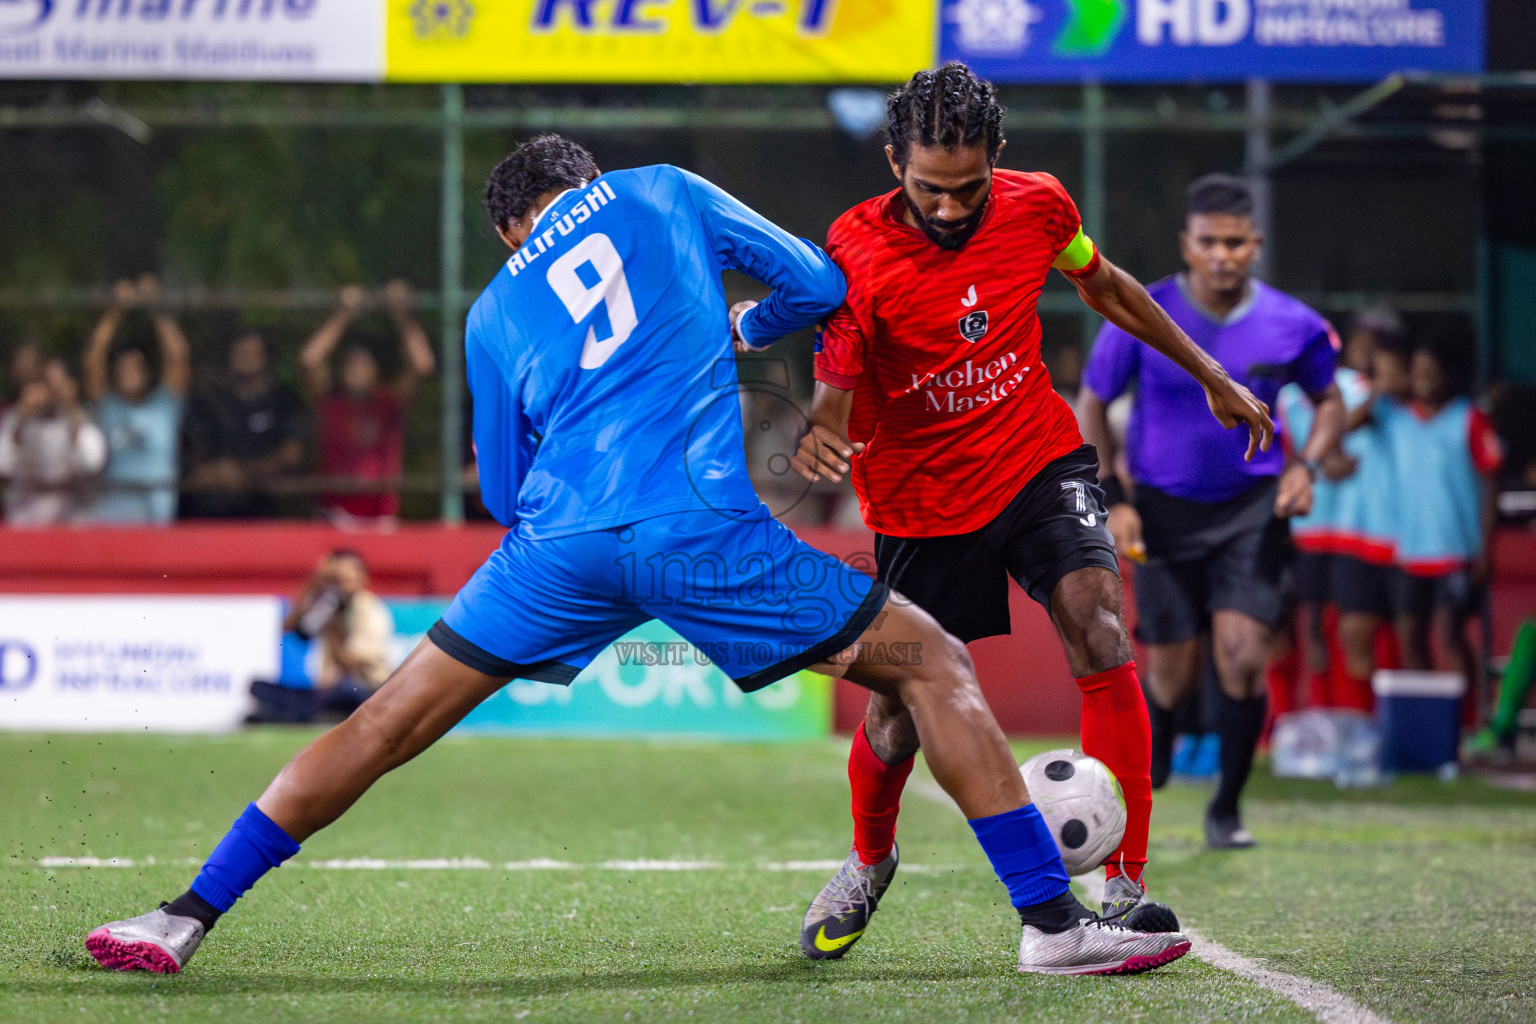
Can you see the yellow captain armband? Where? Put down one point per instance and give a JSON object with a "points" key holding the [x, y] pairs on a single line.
{"points": [[1079, 258]]}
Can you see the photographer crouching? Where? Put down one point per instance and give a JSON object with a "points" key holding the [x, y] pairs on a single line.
{"points": [[353, 629]]}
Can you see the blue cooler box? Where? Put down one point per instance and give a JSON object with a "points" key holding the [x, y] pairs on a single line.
{"points": [[1420, 718]]}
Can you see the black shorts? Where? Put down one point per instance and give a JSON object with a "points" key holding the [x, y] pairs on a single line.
{"points": [[1053, 526], [1205, 556], [1419, 596], [1360, 588], [1311, 577]]}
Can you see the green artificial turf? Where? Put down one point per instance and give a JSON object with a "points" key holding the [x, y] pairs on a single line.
{"points": [[1418, 901]]}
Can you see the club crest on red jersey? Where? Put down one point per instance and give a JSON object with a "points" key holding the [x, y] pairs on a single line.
{"points": [[973, 326]]}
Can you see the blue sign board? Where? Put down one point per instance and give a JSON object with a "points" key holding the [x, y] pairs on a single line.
{"points": [[1211, 40]]}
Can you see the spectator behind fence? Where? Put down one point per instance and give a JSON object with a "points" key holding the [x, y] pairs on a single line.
{"points": [[243, 431], [49, 450], [26, 367], [353, 629], [140, 418], [361, 428]]}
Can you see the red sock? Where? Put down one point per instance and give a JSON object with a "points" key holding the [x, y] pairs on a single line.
{"points": [[877, 790], [1355, 692], [1280, 677], [1117, 731], [1388, 653], [1320, 689], [1338, 675]]}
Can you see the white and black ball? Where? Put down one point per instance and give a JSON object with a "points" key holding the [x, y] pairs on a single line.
{"points": [[1081, 802]]}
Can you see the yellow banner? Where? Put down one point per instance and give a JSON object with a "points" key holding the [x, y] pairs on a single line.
{"points": [[659, 40]]}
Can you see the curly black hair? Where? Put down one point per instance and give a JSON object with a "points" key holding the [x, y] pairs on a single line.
{"points": [[545, 163], [1219, 193], [948, 106]]}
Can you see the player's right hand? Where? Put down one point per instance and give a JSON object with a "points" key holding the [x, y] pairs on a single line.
{"points": [[1231, 404], [1125, 528], [824, 454]]}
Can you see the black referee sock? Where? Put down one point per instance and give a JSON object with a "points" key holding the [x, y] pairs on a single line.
{"points": [[1241, 722], [1162, 742], [190, 904]]}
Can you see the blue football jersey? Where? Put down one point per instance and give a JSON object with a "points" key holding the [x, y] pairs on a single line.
{"points": [[600, 358]]}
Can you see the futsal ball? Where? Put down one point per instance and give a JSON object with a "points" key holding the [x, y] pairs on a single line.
{"points": [[1081, 802]]}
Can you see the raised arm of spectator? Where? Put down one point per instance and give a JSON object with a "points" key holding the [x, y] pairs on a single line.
{"points": [[175, 353], [315, 357], [124, 296], [416, 358]]}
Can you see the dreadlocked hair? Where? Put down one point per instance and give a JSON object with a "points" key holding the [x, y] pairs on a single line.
{"points": [[545, 163], [948, 107]]}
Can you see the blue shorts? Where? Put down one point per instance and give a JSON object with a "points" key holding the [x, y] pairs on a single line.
{"points": [[754, 598]]}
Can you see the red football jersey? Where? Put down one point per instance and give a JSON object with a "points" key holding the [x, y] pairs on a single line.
{"points": [[942, 351]]}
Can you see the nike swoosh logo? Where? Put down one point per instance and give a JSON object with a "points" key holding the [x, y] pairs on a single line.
{"points": [[827, 945], [970, 298]]}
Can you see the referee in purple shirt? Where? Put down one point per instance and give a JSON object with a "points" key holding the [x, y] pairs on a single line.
{"points": [[1206, 517]]}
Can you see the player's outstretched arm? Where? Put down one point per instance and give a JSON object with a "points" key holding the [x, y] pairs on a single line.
{"points": [[1119, 298], [806, 284], [825, 449]]}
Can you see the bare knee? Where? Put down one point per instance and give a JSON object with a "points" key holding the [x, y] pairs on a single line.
{"points": [[889, 729], [1240, 647], [1087, 607], [946, 674], [1357, 636]]}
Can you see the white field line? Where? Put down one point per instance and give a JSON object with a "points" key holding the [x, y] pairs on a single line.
{"points": [[1328, 1006], [476, 864]]}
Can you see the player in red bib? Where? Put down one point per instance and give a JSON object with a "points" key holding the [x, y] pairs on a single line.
{"points": [[968, 466]]}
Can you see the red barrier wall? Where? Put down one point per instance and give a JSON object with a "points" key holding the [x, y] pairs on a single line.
{"points": [[1025, 675]]}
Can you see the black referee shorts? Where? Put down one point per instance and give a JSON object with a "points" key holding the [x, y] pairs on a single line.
{"points": [[1203, 556], [1053, 526]]}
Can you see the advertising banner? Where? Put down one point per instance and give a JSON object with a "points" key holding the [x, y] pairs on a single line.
{"points": [[1212, 40], [658, 40], [650, 682], [303, 40], [164, 664]]}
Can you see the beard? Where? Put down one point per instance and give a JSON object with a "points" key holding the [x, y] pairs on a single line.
{"points": [[947, 234]]}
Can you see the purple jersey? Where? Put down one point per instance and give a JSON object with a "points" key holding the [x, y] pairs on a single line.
{"points": [[1174, 443]]}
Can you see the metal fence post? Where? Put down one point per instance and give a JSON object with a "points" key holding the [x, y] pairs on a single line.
{"points": [[451, 290], [1093, 185], [1260, 114]]}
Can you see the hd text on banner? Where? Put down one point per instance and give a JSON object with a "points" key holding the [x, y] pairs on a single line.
{"points": [[1212, 40]]}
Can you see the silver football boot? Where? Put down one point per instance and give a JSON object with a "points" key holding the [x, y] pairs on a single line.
{"points": [[1126, 903], [1095, 946], [155, 941], [841, 911]]}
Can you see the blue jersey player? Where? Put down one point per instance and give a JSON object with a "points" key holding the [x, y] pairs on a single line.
{"points": [[605, 449]]}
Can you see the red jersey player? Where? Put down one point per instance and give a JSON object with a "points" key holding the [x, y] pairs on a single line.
{"points": [[968, 466]]}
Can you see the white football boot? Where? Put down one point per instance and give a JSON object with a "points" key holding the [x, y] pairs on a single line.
{"points": [[155, 941], [1093, 945]]}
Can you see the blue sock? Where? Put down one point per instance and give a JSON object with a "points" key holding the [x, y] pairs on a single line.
{"points": [[254, 846], [1023, 854]]}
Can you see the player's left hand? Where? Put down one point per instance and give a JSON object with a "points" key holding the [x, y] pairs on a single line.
{"points": [[1231, 404], [737, 341], [1293, 497], [824, 453]]}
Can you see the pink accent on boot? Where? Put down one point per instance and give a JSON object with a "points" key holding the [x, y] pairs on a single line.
{"points": [[116, 955], [1137, 964]]}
